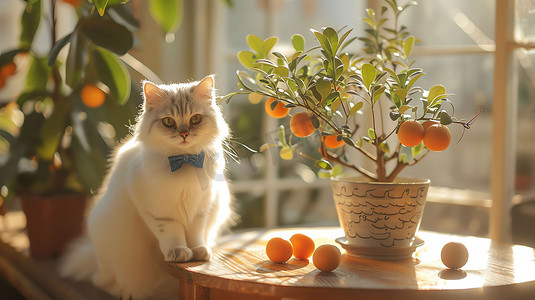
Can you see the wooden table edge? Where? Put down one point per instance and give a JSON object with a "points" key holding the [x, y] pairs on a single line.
{"points": [[194, 280]]}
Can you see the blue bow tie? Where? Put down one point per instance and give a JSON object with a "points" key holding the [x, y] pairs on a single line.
{"points": [[177, 161]]}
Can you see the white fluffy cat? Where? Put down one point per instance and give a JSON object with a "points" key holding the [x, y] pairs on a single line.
{"points": [[155, 206]]}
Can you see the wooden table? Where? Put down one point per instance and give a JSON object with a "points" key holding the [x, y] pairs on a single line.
{"points": [[239, 269]]}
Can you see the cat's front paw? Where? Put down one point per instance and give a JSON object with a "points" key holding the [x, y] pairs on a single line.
{"points": [[202, 253], [179, 254]]}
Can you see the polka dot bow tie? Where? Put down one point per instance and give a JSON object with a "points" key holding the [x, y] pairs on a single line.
{"points": [[177, 161]]}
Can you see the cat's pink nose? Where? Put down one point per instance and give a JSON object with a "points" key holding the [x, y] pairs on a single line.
{"points": [[184, 134]]}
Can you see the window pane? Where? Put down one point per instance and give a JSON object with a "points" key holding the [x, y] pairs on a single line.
{"points": [[524, 21]]}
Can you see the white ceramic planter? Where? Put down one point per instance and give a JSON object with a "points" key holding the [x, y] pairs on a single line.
{"points": [[380, 214]]}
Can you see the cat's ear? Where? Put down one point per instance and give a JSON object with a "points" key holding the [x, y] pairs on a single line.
{"points": [[205, 88], [152, 94]]}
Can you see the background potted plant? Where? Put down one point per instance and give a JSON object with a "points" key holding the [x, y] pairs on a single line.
{"points": [[363, 104], [70, 112]]}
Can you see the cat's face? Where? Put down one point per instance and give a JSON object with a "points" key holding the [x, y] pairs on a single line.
{"points": [[181, 118]]}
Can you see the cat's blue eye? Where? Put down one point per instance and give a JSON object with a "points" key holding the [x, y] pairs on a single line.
{"points": [[168, 122], [196, 119]]}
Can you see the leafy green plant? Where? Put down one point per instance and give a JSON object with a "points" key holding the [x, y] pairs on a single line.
{"points": [[57, 138], [338, 89]]}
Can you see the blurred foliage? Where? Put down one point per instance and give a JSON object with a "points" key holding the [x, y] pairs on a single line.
{"points": [[53, 140]]}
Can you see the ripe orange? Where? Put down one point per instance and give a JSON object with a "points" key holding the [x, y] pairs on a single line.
{"points": [[437, 137], [428, 123], [301, 124], [327, 257], [331, 141], [303, 246], [92, 96], [411, 133], [279, 112], [8, 69], [278, 250]]}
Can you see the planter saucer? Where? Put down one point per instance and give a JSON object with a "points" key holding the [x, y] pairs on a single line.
{"points": [[380, 253]]}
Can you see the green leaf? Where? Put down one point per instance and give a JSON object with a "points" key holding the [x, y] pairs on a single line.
{"points": [[53, 129], [332, 96], [38, 74], [408, 44], [401, 93], [324, 174], [269, 43], [417, 149], [298, 41], [282, 71], [368, 75], [167, 13], [434, 92], [122, 14], [335, 104], [100, 6], [337, 170], [371, 133], [324, 42], [31, 17], [358, 106], [394, 115], [76, 60], [247, 59], [315, 121], [113, 73], [286, 153], [384, 147], [57, 48], [107, 34], [350, 141], [332, 36], [445, 118], [323, 164], [323, 87], [255, 43], [402, 109]]}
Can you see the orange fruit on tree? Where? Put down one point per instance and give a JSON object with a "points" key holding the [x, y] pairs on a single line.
{"points": [[411, 133], [279, 250], [303, 246], [428, 123], [279, 112], [331, 141], [92, 96], [8, 69], [327, 257], [437, 137], [301, 124]]}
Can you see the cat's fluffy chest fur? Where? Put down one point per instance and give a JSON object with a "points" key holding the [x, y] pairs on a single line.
{"points": [[146, 213]]}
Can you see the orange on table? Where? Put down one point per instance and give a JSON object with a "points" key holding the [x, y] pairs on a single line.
{"points": [[8, 69], [279, 112], [331, 141], [411, 133], [454, 255], [279, 250], [301, 124], [437, 137], [92, 96], [327, 257], [303, 246]]}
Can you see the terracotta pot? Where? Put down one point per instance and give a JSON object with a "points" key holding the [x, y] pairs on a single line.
{"points": [[380, 214], [52, 221]]}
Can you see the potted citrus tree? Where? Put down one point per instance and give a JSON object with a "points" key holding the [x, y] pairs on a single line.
{"points": [[70, 112], [365, 104]]}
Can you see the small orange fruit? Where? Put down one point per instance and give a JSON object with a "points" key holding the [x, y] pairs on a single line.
{"points": [[437, 137], [454, 255], [429, 123], [411, 133], [92, 96], [303, 246], [301, 124], [327, 257], [8, 69], [278, 250], [279, 112], [331, 141]]}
